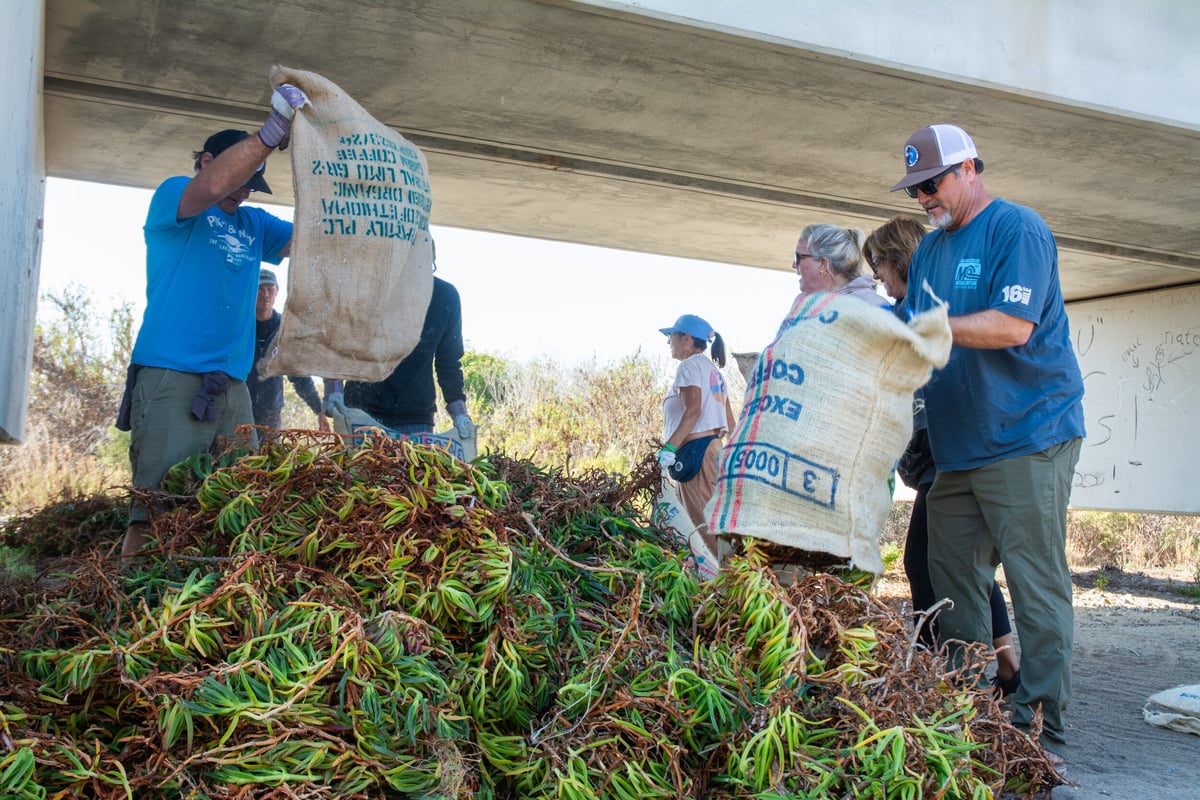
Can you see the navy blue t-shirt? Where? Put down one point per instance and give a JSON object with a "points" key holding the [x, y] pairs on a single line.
{"points": [[989, 405]]}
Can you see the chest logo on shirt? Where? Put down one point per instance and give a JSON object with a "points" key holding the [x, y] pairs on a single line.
{"points": [[1018, 294], [967, 273], [235, 243], [232, 244]]}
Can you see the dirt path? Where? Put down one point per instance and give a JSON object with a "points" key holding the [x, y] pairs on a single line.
{"points": [[1138, 636]]}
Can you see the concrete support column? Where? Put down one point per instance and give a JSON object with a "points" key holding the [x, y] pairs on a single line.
{"points": [[22, 193]]}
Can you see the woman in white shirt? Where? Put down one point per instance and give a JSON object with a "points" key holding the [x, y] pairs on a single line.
{"points": [[696, 416]]}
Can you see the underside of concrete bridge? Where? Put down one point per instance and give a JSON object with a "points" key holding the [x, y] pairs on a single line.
{"points": [[589, 124]]}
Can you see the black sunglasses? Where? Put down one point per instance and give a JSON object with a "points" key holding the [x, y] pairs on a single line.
{"points": [[930, 185]]}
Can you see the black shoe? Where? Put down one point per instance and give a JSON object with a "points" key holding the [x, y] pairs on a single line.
{"points": [[1007, 687]]}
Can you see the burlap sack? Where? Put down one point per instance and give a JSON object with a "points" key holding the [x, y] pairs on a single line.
{"points": [[827, 411], [361, 271]]}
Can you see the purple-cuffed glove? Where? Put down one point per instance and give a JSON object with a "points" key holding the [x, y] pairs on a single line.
{"points": [[284, 102]]}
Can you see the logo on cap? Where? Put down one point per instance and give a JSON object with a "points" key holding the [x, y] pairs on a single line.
{"points": [[910, 155]]}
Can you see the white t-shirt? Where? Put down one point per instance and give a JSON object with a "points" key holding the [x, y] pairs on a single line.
{"points": [[697, 370]]}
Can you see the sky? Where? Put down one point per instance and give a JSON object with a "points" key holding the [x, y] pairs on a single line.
{"points": [[522, 298]]}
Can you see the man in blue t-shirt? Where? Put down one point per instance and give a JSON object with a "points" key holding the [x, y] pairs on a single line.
{"points": [[195, 347], [1005, 417]]}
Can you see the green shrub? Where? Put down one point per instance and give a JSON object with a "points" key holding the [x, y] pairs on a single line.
{"points": [[16, 566], [75, 389], [485, 378], [576, 417], [891, 553]]}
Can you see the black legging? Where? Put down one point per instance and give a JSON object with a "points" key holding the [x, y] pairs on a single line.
{"points": [[916, 567]]}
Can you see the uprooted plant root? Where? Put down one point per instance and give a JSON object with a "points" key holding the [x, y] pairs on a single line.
{"points": [[374, 619]]}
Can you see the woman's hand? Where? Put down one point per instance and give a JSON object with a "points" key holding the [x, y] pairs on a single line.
{"points": [[666, 456]]}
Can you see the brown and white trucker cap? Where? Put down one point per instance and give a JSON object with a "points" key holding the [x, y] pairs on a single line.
{"points": [[932, 150]]}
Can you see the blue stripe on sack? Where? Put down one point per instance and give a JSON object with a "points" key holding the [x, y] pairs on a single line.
{"points": [[729, 487]]}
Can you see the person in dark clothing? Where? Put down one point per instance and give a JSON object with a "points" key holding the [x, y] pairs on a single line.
{"points": [[266, 394], [406, 400]]}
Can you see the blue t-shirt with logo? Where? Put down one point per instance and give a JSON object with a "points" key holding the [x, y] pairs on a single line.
{"points": [[202, 283], [989, 405]]}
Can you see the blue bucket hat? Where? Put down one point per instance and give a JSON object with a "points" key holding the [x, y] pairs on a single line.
{"points": [[692, 325]]}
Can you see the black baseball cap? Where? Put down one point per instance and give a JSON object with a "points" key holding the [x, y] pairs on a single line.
{"points": [[223, 140]]}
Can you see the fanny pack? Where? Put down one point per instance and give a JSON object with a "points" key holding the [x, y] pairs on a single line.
{"points": [[689, 458], [917, 459]]}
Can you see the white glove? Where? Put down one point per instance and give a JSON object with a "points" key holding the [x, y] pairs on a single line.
{"points": [[284, 102], [666, 457]]}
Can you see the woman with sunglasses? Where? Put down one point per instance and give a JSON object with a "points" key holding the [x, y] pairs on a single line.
{"points": [[829, 259], [888, 250]]}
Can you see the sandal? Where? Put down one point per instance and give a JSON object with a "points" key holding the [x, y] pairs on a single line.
{"points": [[1006, 686], [1056, 761]]}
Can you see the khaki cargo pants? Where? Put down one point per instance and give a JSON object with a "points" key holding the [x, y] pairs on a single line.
{"points": [[163, 431]]}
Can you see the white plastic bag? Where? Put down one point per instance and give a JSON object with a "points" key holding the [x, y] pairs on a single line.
{"points": [[1177, 709], [670, 515]]}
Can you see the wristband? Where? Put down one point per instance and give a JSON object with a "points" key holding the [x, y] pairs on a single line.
{"points": [[669, 447]]}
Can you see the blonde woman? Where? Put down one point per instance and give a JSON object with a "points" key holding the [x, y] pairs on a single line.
{"points": [[829, 258]]}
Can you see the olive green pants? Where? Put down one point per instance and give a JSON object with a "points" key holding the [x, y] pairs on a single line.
{"points": [[1012, 512], [163, 431]]}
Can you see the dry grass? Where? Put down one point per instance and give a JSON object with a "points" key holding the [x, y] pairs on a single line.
{"points": [[1119, 540], [1104, 539], [45, 469]]}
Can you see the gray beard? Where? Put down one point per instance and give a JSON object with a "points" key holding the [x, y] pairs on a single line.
{"points": [[943, 222]]}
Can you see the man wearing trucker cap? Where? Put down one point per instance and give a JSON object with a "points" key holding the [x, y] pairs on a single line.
{"points": [[1005, 417], [186, 382]]}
